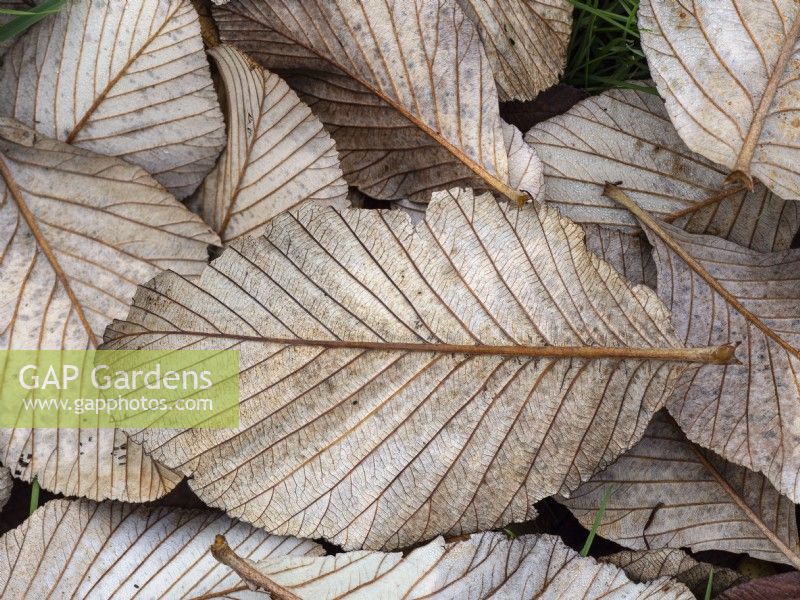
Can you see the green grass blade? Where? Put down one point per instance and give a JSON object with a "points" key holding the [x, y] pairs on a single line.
{"points": [[709, 584], [23, 22], [598, 518], [34, 496]]}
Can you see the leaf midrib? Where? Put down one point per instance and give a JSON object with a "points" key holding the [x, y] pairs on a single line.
{"points": [[41, 240], [709, 355]]}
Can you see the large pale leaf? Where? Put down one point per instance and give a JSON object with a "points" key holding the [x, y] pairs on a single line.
{"points": [[526, 42], [399, 383], [80, 549], [626, 136], [719, 291], [126, 79], [278, 155], [79, 232], [484, 566], [405, 88], [669, 493], [647, 565], [728, 71]]}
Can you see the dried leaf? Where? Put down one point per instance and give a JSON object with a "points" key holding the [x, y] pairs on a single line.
{"points": [[526, 42], [80, 549], [785, 586], [721, 292], [647, 565], [625, 135], [278, 155], [399, 383], [80, 232], [483, 566], [669, 493], [126, 79], [728, 71], [405, 89]]}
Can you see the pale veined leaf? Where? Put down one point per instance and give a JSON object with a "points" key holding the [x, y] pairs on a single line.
{"points": [[670, 493], [486, 565], [278, 155], [125, 79], [647, 565], [398, 382], [81, 549], [79, 232], [626, 137], [728, 71], [526, 42], [405, 89], [720, 292]]}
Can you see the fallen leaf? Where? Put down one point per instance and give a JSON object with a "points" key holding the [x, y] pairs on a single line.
{"points": [[525, 40], [629, 253], [278, 155], [648, 565], [625, 136], [125, 79], [720, 292], [405, 89], [81, 549], [728, 71], [400, 383], [80, 232], [785, 586], [670, 493], [483, 566]]}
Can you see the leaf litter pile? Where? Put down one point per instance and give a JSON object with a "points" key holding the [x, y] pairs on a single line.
{"points": [[600, 313]]}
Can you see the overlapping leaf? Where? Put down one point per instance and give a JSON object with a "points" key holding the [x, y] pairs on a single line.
{"points": [[626, 136], [785, 586], [79, 232], [126, 79], [405, 89], [668, 493], [629, 253], [729, 73], [647, 565], [525, 40], [484, 566], [719, 291], [278, 154], [80, 549], [6, 483], [399, 383]]}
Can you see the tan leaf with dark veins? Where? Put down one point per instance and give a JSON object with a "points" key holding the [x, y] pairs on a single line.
{"points": [[125, 79], [278, 155], [670, 493], [729, 73], [81, 549], [526, 42], [721, 292], [405, 89], [79, 232], [398, 382], [486, 565], [625, 136]]}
